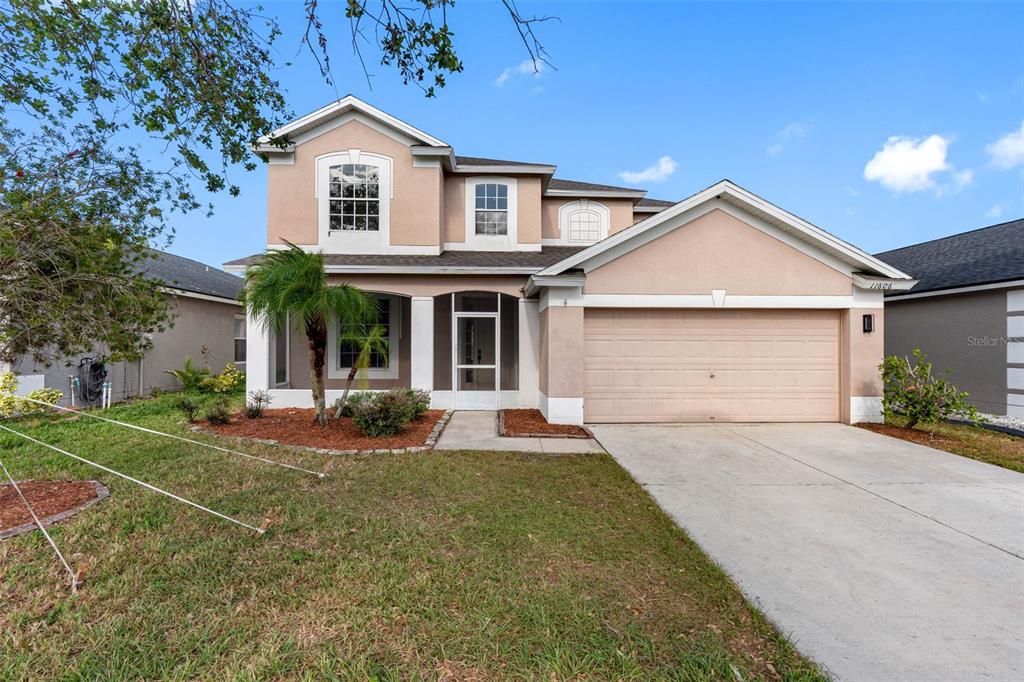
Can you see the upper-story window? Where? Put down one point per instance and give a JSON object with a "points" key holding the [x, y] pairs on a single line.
{"points": [[355, 197], [584, 226], [582, 222], [354, 191], [491, 208]]}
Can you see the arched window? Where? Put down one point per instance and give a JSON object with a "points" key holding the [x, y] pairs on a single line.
{"points": [[584, 226], [354, 197], [583, 222]]}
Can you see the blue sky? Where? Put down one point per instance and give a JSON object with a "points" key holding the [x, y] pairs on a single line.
{"points": [[795, 102]]}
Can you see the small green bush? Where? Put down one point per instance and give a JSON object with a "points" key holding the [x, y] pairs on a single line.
{"points": [[419, 400], [230, 380], [384, 414], [257, 403], [191, 378], [218, 413], [188, 406], [11, 404], [348, 408], [910, 390]]}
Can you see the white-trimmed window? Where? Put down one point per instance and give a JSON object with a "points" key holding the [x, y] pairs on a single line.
{"points": [[239, 356], [491, 221], [491, 215], [583, 222], [354, 192], [341, 354], [354, 197]]}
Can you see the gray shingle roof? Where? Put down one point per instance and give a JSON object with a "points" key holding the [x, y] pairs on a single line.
{"points": [[558, 183], [654, 203], [547, 256], [481, 161], [189, 275], [984, 256]]}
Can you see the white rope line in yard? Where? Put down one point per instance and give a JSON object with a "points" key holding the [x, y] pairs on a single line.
{"points": [[137, 481], [181, 438], [71, 572]]}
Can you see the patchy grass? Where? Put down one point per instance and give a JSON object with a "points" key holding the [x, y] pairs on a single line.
{"points": [[452, 566], [975, 442]]}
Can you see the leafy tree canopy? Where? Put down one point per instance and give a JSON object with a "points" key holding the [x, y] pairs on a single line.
{"points": [[196, 75]]}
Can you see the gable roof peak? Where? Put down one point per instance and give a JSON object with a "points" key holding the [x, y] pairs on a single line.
{"points": [[348, 103]]}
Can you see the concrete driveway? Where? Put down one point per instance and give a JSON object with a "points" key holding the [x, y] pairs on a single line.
{"points": [[880, 559]]}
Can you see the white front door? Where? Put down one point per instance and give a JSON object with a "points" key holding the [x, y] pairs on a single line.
{"points": [[476, 361]]}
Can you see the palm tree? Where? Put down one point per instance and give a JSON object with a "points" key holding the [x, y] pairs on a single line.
{"points": [[367, 342], [293, 281]]}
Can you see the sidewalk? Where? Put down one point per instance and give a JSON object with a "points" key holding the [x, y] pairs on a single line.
{"points": [[479, 431]]}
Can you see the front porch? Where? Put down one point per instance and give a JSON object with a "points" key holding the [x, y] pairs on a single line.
{"points": [[477, 348]]}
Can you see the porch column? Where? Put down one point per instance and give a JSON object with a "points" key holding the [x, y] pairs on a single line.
{"points": [[257, 355], [529, 353], [422, 343], [561, 353]]}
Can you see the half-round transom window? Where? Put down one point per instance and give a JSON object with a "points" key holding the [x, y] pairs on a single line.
{"points": [[355, 197]]}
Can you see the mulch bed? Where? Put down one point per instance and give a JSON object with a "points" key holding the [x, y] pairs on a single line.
{"points": [[52, 501], [531, 423], [294, 426], [913, 435]]}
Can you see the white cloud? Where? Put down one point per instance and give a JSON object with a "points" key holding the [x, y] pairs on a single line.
{"points": [[659, 172], [907, 164], [995, 212], [527, 67], [958, 182], [790, 132], [1008, 151]]}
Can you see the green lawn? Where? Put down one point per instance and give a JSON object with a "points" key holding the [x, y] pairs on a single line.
{"points": [[437, 566], [975, 442]]}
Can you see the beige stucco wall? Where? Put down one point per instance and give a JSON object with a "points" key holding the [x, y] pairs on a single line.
{"points": [[561, 371], [454, 209], [861, 355], [717, 251], [621, 211], [292, 206], [528, 218]]}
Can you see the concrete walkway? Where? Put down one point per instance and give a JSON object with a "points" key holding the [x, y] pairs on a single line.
{"points": [[472, 430], [880, 559]]}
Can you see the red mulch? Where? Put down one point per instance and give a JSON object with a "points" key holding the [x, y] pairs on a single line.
{"points": [[532, 423], [46, 497], [295, 426], [913, 435]]}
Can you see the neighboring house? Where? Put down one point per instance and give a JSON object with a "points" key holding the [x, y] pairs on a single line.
{"points": [[966, 312], [504, 286], [208, 317]]}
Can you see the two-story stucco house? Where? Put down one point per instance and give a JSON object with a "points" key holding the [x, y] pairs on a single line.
{"points": [[504, 286]]}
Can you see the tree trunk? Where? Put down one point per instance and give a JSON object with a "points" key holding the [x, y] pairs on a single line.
{"points": [[348, 387], [317, 336]]}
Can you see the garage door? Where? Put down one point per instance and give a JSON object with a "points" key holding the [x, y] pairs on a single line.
{"points": [[644, 365]]}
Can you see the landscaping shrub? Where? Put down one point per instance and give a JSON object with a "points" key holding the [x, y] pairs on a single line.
{"points": [[190, 377], [230, 380], [11, 404], [910, 390], [188, 406], [419, 400], [384, 414], [218, 413], [348, 408], [257, 403]]}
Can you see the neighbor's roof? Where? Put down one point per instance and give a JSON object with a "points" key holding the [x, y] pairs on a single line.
{"points": [[984, 256], [189, 275], [501, 261]]}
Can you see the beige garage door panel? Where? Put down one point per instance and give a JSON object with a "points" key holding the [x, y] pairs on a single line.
{"points": [[711, 365]]}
